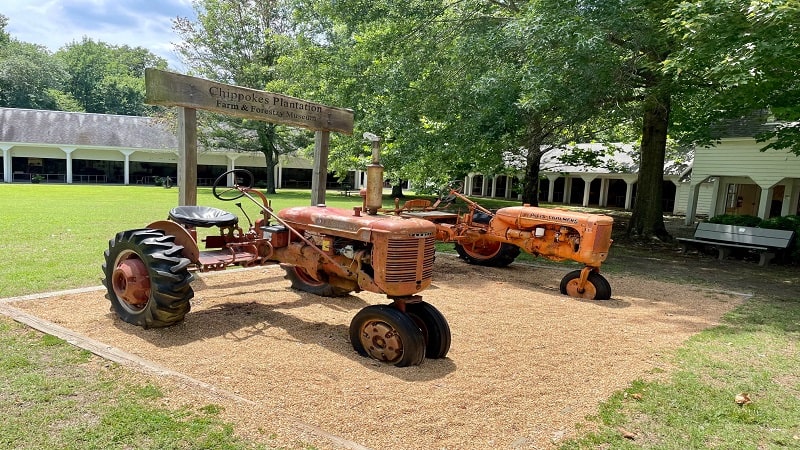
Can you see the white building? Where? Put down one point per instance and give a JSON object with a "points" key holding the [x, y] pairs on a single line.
{"points": [[68, 147]]}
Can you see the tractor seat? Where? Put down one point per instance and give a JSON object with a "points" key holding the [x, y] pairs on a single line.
{"points": [[202, 216]]}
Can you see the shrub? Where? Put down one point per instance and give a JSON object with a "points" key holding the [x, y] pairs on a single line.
{"points": [[730, 219]]}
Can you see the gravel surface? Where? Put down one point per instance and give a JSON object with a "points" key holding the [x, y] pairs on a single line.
{"points": [[526, 363]]}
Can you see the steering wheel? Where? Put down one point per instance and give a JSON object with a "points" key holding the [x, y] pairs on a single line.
{"points": [[447, 193], [242, 181]]}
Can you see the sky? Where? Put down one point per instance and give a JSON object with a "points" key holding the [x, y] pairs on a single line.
{"points": [[136, 23]]}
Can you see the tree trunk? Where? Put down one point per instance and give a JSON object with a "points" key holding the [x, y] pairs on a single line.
{"points": [[266, 138], [530, 189], [647, 219], [271, 162], [397, 190]]}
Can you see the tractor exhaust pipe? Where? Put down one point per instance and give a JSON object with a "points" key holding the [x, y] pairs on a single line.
{"points": [[374, 199]]}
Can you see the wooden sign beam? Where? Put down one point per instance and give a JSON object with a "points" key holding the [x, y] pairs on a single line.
{"points": [[173, 89], [191, 93]]}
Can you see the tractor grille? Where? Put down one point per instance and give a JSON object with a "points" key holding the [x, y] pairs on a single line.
{"points": [[409, 260]]}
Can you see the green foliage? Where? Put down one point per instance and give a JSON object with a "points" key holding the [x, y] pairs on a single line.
{"points": [[239, 42], [107, 79], [46, 381], [29, 76], [732, 219], [745, 53], [752, 352], [45, 255]]}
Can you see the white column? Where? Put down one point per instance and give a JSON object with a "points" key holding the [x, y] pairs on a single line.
{"points": [[629, 194], [468, 184], [484, 185], [788, 195], [551, 187], [494, 186], [277, 174], [691, 202], [231, 166], [567, 190], [604, 192], [68, 151], [508, 187], [587, 186], [127, 165], [7, 175], [764, 201], [717, 202]]}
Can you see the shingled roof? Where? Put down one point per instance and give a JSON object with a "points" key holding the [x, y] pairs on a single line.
{"points": [[82, 129]]}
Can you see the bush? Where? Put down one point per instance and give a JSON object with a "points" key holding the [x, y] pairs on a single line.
{"points": [[730, 219]]}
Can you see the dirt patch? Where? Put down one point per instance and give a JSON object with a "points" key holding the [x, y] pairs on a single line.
{"points": [[526, 363]]}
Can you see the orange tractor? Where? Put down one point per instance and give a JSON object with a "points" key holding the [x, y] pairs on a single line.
{"points": [[495, 238], [324, 251]]}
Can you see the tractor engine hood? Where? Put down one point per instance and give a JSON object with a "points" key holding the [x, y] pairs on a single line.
{"points": [[349, 224], [526, 218]]}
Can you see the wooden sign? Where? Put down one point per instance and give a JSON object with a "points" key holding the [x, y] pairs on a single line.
{"points": [[173, 89]]}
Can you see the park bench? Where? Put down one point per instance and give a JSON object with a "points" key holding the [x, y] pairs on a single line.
{"points": [[345, 189], [725, 238]]}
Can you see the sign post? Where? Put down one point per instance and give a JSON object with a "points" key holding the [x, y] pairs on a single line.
{"points": [[192, 93]]}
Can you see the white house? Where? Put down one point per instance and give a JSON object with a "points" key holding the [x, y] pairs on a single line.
{"points": [[744, 180]]}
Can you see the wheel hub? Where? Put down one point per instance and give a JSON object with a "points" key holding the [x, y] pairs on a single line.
{"points": [[588, 292], [381, 341], [131, 282]]}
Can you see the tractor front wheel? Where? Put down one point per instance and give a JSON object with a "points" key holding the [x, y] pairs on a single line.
{"points": [[147, 278], [435, 330], [302, 281], [597, 287], [387, 335]]}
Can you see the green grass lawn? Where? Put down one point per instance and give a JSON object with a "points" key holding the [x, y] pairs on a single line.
{"points": [[54, 238]]}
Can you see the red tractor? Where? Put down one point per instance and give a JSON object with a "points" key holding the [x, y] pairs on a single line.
{"points": [[495, 239], [324, 251]]}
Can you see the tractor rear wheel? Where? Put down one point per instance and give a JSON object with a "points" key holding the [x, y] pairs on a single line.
{"points": [[147, 278], [597, 287], [387, 335], [488, 253], [302, 281], [435, 330]]}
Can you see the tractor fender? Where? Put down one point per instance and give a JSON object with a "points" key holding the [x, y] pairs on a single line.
{"points": [[182, 237]]}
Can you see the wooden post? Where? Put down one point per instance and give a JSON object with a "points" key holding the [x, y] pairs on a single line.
{"points": [[319, 177], [187, 156]]}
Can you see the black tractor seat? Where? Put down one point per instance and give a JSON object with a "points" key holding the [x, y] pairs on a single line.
{"points": [[202, 216]]}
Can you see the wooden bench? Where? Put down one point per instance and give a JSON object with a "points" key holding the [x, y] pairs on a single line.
{"points": [[764, 241]]}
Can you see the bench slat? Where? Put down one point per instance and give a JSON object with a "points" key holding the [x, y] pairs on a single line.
{"points": [[744, 235]]}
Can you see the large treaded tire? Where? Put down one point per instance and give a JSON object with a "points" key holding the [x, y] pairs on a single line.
{"points": [[164, 269], [302, 281], [490, 254], [497, 254], [388, 335]]}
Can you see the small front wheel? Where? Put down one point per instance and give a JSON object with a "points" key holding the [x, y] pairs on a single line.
{"points": [[597, 287], [387, 335]]}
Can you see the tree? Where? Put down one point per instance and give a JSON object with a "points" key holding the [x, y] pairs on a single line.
{"points": [[27, 75], [744, 54], [108, 79], [239, 42], [452, 86]]}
